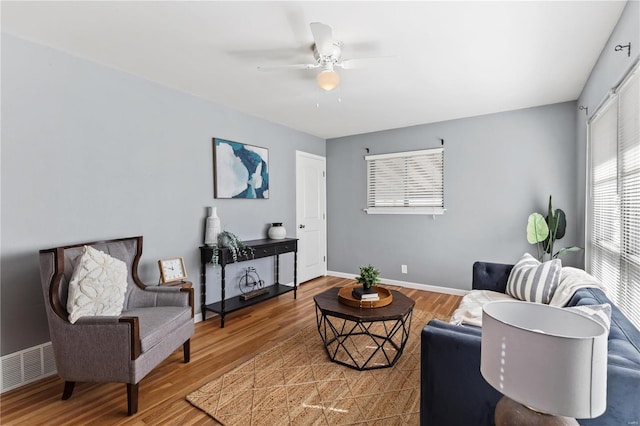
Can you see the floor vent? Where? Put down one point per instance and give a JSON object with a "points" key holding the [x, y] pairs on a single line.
{"points": [[26, 366]]}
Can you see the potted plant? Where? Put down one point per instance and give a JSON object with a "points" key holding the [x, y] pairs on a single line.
{"points": [[544, 231], [236, 247], [369, 276]]}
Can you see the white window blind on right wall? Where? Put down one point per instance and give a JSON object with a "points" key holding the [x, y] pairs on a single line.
{"points": [[613, 222]]}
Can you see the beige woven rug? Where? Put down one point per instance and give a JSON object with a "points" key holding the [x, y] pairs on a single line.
{"points": [[294, 383]]}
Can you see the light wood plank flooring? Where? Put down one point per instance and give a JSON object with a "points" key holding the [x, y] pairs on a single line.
{"points": [[213, 351]]}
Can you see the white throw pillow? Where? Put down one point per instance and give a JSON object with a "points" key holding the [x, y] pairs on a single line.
{"points": [[470, 309], [599, 313], [533, 281], [98, 285]]}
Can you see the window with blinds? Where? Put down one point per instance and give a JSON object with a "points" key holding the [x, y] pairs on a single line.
{"points": [[613, 210], [406, 182]]}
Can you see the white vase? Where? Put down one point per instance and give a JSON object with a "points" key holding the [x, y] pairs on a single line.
{"points": [[277, 231], [212, 228]]}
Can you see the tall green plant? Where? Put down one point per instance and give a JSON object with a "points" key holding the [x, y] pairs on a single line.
{"points": [[544, 231]]}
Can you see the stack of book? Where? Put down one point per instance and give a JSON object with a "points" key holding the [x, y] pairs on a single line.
{"points": [[365, 294]]}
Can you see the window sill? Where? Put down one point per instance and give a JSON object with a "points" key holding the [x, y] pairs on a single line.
{"points": [[406, 210]]}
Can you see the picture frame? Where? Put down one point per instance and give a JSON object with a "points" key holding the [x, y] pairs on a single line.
{"points": [[240, 170]]}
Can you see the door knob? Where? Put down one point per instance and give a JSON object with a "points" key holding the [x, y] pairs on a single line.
{"points": [[301, 226]]}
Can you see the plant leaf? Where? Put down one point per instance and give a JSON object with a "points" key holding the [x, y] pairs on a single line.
{"points": [[561, 223], [565, 250], [537, 229], [557, 223]]}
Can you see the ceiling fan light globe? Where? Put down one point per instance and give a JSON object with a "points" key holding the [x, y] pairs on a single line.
{"points": [[328, 80]]}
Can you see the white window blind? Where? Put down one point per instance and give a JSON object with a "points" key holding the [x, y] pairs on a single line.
{"points": [[613, 232], [406, 182]]}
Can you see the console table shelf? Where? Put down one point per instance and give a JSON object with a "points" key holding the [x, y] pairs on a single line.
{"points": [[261, 248], [235, 303]]}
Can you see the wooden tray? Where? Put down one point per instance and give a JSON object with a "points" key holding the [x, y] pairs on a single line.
{"points": [[345, 296]]}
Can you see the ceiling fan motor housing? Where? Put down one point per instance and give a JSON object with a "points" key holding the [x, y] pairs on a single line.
{"points": [[336, 53]]}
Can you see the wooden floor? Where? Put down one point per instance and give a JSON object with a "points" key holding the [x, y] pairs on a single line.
{"points": [[214, 350]]}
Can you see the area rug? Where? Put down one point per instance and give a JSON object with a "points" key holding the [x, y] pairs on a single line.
{"points": [[294, 383]]}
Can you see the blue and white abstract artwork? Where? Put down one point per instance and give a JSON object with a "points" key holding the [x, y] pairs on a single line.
{"points": [[240, 170]]}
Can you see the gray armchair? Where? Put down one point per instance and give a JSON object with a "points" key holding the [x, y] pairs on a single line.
{"points": [[155, 321]]}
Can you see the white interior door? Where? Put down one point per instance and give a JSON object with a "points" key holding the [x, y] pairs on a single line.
{"points": [[311, 223]]}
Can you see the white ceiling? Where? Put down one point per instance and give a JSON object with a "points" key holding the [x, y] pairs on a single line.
{"points": [[454, 59]]}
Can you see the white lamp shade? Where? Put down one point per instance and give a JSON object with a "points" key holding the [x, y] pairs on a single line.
{"points": [[549, 359], [328, 79]]}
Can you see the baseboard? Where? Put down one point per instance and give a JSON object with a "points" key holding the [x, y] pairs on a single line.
{"points": [[407, 284], [26, 366]]}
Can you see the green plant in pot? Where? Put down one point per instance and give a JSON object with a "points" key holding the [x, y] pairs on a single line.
{"points": [[544, 231], [234, 244], [369, 276]]}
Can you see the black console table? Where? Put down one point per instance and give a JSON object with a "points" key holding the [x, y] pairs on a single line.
{"points": [[261, 248]]}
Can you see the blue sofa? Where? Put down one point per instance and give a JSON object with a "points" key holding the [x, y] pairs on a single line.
{"points": [[453, 392]]}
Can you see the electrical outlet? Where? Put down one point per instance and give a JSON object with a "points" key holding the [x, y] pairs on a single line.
{"points": [[404, 269]]}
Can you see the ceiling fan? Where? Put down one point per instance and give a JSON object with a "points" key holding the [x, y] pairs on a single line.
{"points": [[328, 54]]}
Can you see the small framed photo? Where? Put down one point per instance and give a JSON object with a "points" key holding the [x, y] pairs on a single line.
{"points": [[240, 170]]}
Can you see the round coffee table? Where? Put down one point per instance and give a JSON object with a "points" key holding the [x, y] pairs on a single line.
{"points": [[363, 338]]}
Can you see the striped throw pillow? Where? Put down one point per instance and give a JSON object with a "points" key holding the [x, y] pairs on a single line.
{"points": [[533, 281]]}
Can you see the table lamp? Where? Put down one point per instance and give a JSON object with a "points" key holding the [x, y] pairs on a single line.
{"points": [[549, 363]]}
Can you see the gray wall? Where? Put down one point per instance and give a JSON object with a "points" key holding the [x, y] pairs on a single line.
{"points": [[498, 169], [606, 74], [91, 153]]}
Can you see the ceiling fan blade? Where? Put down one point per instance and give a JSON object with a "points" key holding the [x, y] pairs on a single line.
{"points": [[361, 62], [323, 37], [289, 67]]}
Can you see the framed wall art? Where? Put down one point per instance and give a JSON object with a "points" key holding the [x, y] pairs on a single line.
{"points": [[240, 170]]}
